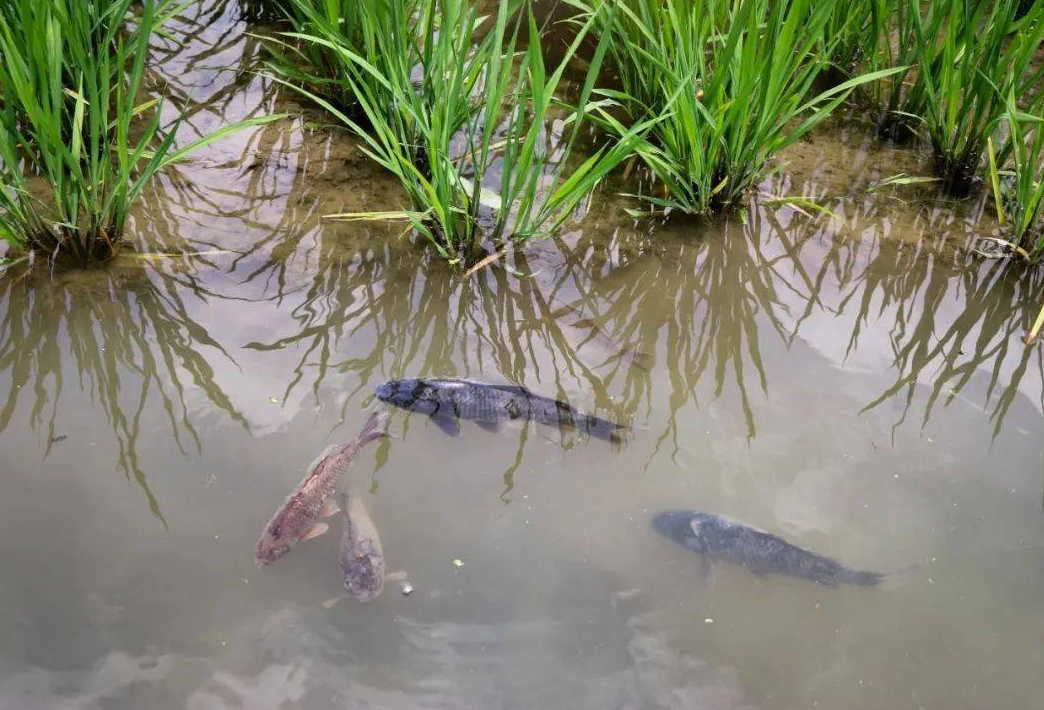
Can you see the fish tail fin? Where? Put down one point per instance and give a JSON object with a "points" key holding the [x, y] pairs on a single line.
{"points": [[620, 434], [376, 427], [862, 578]]}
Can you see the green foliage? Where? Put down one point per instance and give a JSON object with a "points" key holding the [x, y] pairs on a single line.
{"points": [[725, 86], [318, 65], [961, 58], [1016, 173], [76, 146], [464, 122], [984, 56]]}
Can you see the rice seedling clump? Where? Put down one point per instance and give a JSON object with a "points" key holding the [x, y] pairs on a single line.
{"points": [[725, 86], [77, 140]]}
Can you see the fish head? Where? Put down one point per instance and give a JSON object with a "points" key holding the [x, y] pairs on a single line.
{"points": [[675, 524], [270, 548], [413, 394], [363, 576]]}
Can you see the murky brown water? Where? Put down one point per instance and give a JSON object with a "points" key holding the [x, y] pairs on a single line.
{"points": [[856, 385]]}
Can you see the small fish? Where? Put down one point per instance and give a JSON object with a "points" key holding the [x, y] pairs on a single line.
{"points": [[362, 559], [718, 538], [448, 400], [296, 519]]}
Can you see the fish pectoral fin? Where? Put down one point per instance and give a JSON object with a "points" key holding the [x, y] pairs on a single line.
{"points": [[706, 570], [489, 426], [317, 530], [331, 603], [700, 547], [330, 507], [447, 422]]}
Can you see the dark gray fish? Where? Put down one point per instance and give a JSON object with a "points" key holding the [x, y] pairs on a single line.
{"points": [[362, 559], [718, 538], [448, 400], [296, 519]]}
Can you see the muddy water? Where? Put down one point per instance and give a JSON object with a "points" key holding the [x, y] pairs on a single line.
{"points": [[856, 383]]}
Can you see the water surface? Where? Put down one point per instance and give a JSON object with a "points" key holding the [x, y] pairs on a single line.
{"points": [[857, 384]]}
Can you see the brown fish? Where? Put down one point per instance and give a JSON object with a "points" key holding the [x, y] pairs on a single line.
{"points": [[297, 518]]}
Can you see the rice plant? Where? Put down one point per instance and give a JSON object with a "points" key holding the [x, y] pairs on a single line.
{"points": [[723, 97], [1016, 171], [984, 56], [318, 66], [463, 122], [848, 35], [77, 144]]}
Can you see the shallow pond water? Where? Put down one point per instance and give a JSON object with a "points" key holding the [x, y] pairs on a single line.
{"points": [[856, 384]]}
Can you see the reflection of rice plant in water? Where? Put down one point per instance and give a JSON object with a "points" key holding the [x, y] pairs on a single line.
{"points": [[77, 143], [127, 340], [727, 85], [465, 123]]}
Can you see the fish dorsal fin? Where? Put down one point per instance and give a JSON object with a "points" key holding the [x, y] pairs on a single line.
{"points": [[327, 453], [512, 389]]}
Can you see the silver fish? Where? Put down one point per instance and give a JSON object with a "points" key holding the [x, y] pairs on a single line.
{"points": [[362, 559], [717, 538], [447, 400], [296, 519]]}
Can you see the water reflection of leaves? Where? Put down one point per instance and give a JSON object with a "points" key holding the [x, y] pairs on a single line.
{"points": [[128, 336], [588, 317]]}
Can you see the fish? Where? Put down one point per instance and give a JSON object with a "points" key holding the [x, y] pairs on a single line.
{"points": [[715, 537], [448, 400], [297, 518], [361, 556], [362, 559]]}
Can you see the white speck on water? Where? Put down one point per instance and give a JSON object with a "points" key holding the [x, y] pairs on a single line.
{"points": [[457, 562], [708, 621], [273, 400], [895, 476], [217, 537], [407, 589]]}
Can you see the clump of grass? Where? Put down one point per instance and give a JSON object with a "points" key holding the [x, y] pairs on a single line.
{"points": [[984, 56], [723, 95], [318, 66], [892, 39], [847, 36], [465, 123], [76, 146], [1016, 174]]}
